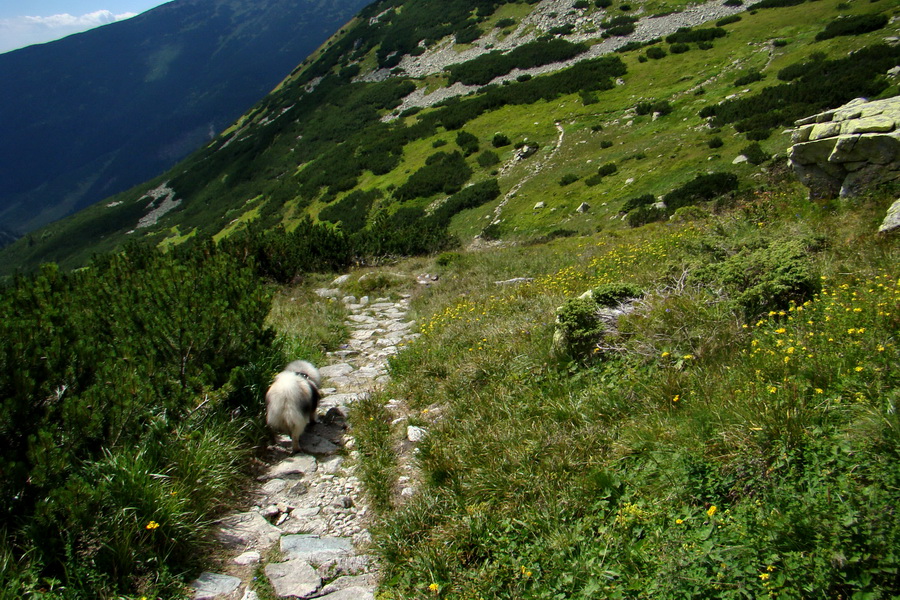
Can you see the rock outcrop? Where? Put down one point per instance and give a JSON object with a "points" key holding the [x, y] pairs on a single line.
{"points": [[845, 150]]}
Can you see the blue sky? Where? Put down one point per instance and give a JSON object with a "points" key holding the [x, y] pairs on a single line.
{"points": [[26, 22]]}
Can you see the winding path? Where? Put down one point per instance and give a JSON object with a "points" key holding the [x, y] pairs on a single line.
{"points": [[310, 505]]}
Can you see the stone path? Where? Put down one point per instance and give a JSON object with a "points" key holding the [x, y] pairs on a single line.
{"points": [[310, 505]]}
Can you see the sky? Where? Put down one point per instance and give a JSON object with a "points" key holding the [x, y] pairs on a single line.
{"points": [[26, 22]]}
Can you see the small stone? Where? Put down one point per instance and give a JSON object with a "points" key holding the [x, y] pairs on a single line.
{"points": [[408, 492], [270, 512], [299, 464], [213, 585], [251, 557], [249, 595], [415, 434], [891, 221], [332, 465], [343, 502]]}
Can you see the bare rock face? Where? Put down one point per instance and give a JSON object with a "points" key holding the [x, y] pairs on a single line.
{"points": [[845, 150]]}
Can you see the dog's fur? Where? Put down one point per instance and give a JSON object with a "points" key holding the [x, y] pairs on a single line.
{"points": [[292, 400]]}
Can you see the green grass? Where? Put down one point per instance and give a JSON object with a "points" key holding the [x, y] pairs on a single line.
{"points": [[711, 455]]}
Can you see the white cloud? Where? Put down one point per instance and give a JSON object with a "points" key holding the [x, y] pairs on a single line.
{"points": [[24, 31]]}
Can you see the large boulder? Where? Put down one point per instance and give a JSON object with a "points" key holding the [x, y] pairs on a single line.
{"points": [[845, 150]]}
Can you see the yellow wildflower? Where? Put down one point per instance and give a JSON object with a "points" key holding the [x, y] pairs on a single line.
{"points": [[711, 510], [152, 525], [433, 588]]}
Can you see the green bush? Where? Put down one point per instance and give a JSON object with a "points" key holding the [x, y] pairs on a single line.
{"points": [[660, 106], [442, 172], [500, 140], [468, 34], [504, 23], [122, 410], [632, 203], [700, 189], [470, 197], [352, 210], [656, 53], [643, 215], [852, 25], [577, 328], [607, 169], [481, 70], [467, 142], [749, 77], [765, 279], [488, 158], [755, 154], [728, 20], [686, 35], [568, 179], [613, 294], [715, 142], [679, 48]]}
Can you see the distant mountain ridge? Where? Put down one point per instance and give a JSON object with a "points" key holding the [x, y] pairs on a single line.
{"points": [[95, 113]]}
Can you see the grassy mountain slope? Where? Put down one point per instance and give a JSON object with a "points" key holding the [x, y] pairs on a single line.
{"points": [[95, 113], [316, 140]]}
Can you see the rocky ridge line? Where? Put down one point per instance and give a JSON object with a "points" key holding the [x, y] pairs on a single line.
{"points": [[310, 504]]}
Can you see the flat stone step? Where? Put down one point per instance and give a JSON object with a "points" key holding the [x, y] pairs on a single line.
{"points": [[246, 531], [212, 585], [293, 578], [315, 549]]}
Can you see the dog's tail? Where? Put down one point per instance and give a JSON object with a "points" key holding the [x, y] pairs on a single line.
{"points": [[307, 371]]}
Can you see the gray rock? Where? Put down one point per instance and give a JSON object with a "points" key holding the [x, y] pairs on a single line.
{"points": [[249, 595], [315, 444], [352, 593], [366, 581], [341, 280], [415, 434], [213, 585], [273, 486], [250, 557], [247, 530], [891, 221], [299, 464], [337, 370], [314, 548], [345, 566], [848, 149], [294, 577], [314, 526], [343, 502]]}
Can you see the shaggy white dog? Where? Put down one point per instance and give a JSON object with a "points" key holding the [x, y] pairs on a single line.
{"points": [[292, 400]]}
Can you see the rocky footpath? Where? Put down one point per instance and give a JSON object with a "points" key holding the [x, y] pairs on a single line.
{"points": [[307, 526]]}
